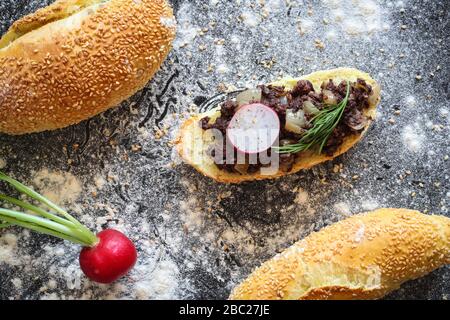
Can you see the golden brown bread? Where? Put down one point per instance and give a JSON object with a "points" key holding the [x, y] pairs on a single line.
{"points": [[363, 257], [191, 136], [77, 58]]}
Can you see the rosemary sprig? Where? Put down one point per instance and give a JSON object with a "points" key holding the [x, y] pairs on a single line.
{"points": [[323, 125]]}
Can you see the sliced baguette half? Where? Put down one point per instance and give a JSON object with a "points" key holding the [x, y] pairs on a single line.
{"points": [[363, 257], [192, 144], [74, 59]]}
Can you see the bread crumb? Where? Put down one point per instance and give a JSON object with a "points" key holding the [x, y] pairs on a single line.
{"points": [[302, 197], [319, 44], [2, 163], [136, 148]]}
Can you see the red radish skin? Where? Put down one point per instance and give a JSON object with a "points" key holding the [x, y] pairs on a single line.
{"points": [[104, 258], [113, 257], [257, 122]]}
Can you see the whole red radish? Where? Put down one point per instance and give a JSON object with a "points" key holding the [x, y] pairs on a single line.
{"points": [[104, 258], [110, 259]]}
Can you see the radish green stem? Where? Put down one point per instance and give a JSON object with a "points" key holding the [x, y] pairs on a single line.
{"points": [[33, 194], [6, 213], [37, 210], [45, 214], [65, 227], [43, 230], [4, 225]]}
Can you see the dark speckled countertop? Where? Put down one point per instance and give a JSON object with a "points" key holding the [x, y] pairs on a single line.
{"points": [[197, 239]]}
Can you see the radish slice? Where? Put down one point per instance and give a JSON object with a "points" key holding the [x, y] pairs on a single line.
{"points": [[254, 128]]}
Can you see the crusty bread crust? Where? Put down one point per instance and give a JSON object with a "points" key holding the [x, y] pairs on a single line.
{"points": [[363, 257], [76, 58], [188, 143]]}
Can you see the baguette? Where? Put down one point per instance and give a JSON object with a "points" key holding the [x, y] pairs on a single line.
{"points": [[76, 58], [192, 144], [363, 257]]}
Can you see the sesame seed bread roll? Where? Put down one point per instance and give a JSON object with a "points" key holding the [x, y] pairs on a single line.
{"points": [[76, 58], [363, 257], [193, 145]]}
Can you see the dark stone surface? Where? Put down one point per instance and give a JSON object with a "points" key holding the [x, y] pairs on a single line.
{"points": [[210, 236]]}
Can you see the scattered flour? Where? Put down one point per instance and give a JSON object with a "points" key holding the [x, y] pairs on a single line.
{"points": [[283, 222], [443, 112], [331, 34], [186, 32], [410, 101], [222, 68], [369, 205], [160, 284], [250, 18], [52, 284], [8, 245], [17, 283], [193, 218], [413, 138], [305, 25], [60, 187], [168, 22], [50, 296], [357, 17], [73, 276], [99, 182], [273, 4], [342, 208]]}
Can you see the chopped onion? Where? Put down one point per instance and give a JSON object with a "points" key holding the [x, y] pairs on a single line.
{"points": [[295, 121], [373, 98], [249, 96], [329, 97], [359, 126], [284, 100], [310, 108]]}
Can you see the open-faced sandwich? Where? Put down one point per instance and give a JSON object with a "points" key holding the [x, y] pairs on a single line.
{"points": [[281, 128]]}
